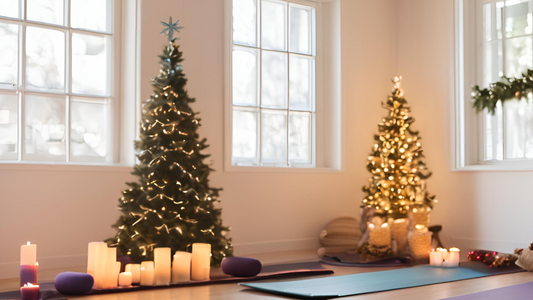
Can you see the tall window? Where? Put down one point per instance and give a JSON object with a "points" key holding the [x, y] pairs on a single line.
{"points": [[56, 75], [505, 47], [273, 83]]}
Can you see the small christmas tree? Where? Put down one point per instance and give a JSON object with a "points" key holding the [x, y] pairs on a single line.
{"points": [[172, 204], [397, 184]]}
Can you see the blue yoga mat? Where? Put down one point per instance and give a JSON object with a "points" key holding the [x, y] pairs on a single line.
{"points": [[363, 283]]}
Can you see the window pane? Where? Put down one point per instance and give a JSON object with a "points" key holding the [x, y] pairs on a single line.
{"points": [[492, 62], [519, 55], [45, 59], [300, 137], [90, 62], [518, 18], [90, 14], [274, 24], [245, 135], [274, 136], [274, 79], [245, 71], [8, 125], [45, 125], [489, 144], [498, 131], [9, 57], [515, 128], [9, 8], [245, 22], [47, 11], [301, 82], [529, 127], [492, 20], [89, 124], [300, 30]]}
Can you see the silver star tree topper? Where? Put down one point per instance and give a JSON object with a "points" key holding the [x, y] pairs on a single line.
{"points": [[170, 27]]}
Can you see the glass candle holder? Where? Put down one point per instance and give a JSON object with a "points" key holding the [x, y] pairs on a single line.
{"points": [[420, 244]]}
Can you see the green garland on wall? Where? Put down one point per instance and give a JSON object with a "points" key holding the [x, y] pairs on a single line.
{"points": [[508, 89]]}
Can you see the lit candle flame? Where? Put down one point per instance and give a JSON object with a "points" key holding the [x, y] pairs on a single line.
{"points": [[454, 249], [419, 226], [29, 284], [36, 264], [28, 243]]}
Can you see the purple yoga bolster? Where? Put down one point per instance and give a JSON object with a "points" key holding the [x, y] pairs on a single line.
{"points": [[241, 266], [28, 273], [73, 283]]}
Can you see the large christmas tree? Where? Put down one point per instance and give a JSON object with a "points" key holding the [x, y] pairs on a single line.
{"points": [[172, 204], [397, 184]]}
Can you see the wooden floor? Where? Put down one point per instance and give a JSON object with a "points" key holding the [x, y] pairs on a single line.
{"points": [[234, 291]]}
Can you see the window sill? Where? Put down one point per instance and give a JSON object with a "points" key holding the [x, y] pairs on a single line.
{"points": [[65, 167], [252, 169], [504, 166]]}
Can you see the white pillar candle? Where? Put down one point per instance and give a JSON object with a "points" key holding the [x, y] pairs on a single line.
{"points": [[125, 279], [135, 270], [181, 267], [28, 254], [92, 256], [110, 273], [98, 260], [452, 260], [379, 236], [162, 263], [437, 256], [201, 261], [147, 273]]}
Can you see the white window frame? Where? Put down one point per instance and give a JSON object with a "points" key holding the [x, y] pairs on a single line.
{"points": [[327, 110], [467, 133], [124, 111], [21, 91]]}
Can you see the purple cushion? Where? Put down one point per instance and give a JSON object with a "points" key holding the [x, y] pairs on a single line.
{"points": [[241, 266], [73, 283]]}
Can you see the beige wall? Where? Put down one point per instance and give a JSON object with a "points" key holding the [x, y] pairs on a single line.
{"points": [[62, 209]]}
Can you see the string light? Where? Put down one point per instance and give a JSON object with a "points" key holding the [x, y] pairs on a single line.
{"points": [[395, 165]]}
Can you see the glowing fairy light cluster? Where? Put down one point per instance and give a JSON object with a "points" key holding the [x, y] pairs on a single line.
{"points": [[397, 183], [171, 204]]}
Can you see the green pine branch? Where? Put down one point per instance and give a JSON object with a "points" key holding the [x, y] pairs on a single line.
{"points": [[509, 88]]}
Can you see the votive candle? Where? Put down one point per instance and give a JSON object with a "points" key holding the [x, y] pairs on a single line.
{"points": [[124, 279], [437, 256], [452, 260], [29, 291], [135, 270]]}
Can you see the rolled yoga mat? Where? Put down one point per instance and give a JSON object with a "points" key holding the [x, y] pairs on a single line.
{"points": [[522, 291], [363, 283]]}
